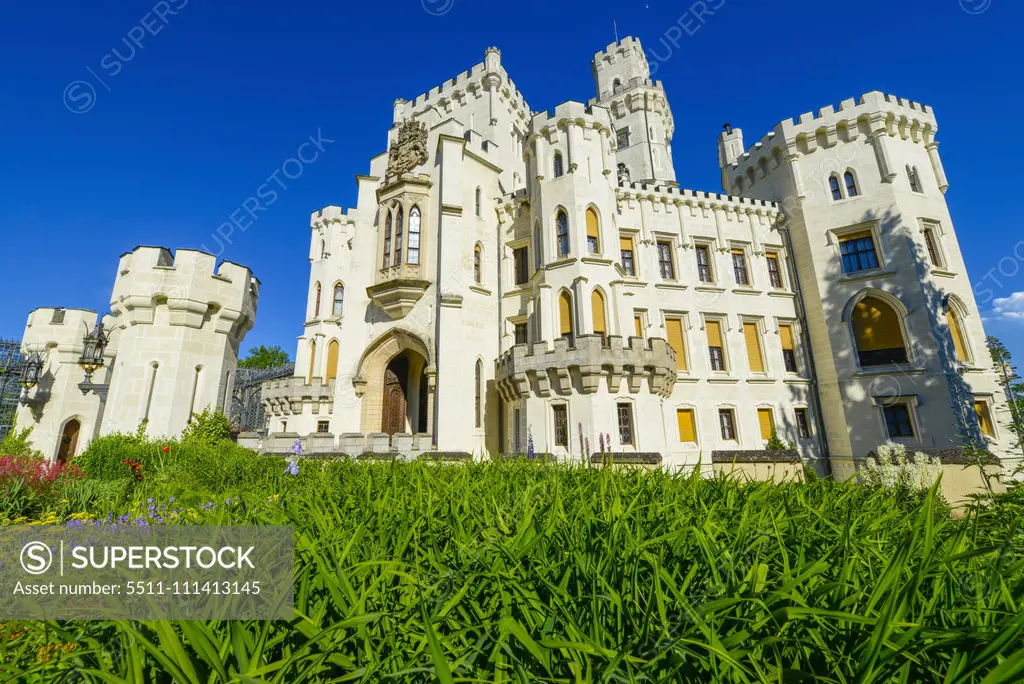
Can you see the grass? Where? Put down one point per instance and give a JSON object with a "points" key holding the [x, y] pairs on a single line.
{"points": [[522, 572]]}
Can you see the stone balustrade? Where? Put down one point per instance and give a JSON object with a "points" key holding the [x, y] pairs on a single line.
{"points": [[582, 366], [284, 396]]}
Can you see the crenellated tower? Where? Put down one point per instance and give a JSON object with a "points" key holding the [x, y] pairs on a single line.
{"points": [[639, 110], [174, 331]]}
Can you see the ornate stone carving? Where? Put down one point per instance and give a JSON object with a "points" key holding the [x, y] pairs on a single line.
{"points": [[409, 150]]}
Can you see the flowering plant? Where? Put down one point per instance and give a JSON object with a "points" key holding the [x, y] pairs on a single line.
{"points": [[135, 468]]}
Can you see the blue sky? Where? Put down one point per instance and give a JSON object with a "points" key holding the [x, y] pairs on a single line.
{"points": [[179, 132]]}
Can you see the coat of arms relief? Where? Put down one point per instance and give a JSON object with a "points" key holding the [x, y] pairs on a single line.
{"points": [[409, 150]]}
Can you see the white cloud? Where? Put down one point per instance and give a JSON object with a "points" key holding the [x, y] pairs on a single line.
{"points": [[1009, 308]]}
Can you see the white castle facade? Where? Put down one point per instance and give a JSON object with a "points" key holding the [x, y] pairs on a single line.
{"points": [[511, 281], [509, 278]]}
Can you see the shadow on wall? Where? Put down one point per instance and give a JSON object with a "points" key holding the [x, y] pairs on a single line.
{"points": [[881, 379]]}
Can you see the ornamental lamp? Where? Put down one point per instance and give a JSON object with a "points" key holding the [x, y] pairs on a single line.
{"points": [[93, 346], [30, 371]]}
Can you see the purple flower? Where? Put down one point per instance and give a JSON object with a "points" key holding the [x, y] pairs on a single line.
{"points": [[297, 447], [208, 505], [292, 469], [529, 442]]}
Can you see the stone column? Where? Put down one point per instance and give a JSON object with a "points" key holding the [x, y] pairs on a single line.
{"points": [[940, 174]]}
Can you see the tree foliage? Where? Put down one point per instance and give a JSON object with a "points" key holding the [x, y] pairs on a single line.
{"points": [[1011, 382], [264, 357]]}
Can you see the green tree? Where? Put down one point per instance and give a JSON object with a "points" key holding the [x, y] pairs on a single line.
{"points": [[1007, 375], [264, 357]]}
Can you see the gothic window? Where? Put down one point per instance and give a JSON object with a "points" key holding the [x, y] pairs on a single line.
{"points": [[565, 317], [562, 232], [877, 333], [398, 236], [558, 164], [479, 203], [387, 241], [851, 184], [332, 360], [316, 301], [956, 330], [598, 314], [323, 249], [833, 185], [477, 266], [593, 233], [339, 299], [312, 362], [413, 250]]}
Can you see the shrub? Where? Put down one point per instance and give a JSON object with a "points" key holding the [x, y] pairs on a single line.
{"points": [[16, 443], [103, 457], [891, 469], [206, 429]]}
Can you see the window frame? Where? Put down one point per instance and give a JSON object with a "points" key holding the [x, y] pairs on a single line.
{"points": [[847, 236], [758, 409], [669, 249], [850, 184], [412, 254], [325, 424], [562, 408], [520, 326], [557, 165], [910, 423], [692, 410], [723, 355], [758, 324], [338, 303], [562, 232], [521, 268], [743, 267], [835, 187], [914, 178], [622, 135], [985, 400], [632, 270], [730, 412], [775, 279], [593, 241], [630, 426], [803, 429], [704, 248]]}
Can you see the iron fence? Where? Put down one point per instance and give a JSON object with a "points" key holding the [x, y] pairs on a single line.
{"points": [[10, 373], [247, 412]]}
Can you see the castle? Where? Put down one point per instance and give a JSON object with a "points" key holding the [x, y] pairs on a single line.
{"points": [[511, 281]]}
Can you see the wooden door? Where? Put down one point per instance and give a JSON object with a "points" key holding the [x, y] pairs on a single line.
{"points": [[394, 409], [69, 441]]}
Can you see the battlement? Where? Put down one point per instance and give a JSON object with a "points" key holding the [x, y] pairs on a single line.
{"points": [[627, 47], [56, 327], [329, 214], [190, 284], [466, 82], [875, 110], [712, 200], [571, 111]]}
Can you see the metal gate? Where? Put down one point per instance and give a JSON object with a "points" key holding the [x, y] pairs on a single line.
{"points": [[247, 411], [10, 389]]}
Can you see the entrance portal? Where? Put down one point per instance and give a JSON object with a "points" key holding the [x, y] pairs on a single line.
{"points": [[69, 441], [404, 405]]}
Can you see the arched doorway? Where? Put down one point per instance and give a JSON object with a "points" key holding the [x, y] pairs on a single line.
{"points": [[404, 404], [69, 440]]}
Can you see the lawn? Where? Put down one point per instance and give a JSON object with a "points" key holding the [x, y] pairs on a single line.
{"points": [[530, 572]]}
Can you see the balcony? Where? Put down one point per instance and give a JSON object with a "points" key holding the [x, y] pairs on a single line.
{"points": [[580, 368], [287, 395], [397, 289]]}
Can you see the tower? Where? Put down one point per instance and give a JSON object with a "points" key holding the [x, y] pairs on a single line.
{"points": [[897, 336], [175, 327], [639, 110]]}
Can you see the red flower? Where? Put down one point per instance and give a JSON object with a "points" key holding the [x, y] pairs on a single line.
{"points": [[166, 449]]}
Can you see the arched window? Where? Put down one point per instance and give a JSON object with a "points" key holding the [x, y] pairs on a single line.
{"points": [[478, 275], [387, 241], [478, 385], [593, 232], [851, 184], [316, 301], [339, 299], [332, 360], [565, 326], [562, 232], [399, 223], [877, 333], [597, 311], [323, 249], [956, 330], [538, 246], [915, 180], [558, 164], [312, 361], [479, 203], [413, 250], [833, 185]]}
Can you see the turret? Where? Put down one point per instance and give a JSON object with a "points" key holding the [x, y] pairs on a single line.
{"points": [[640, 112], [730, 147]]}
